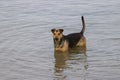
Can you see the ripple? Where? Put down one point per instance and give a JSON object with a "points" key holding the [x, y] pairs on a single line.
{"points": [[26, 46]]}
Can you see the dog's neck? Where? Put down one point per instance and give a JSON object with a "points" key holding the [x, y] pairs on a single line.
{"points": [[59, 44]]}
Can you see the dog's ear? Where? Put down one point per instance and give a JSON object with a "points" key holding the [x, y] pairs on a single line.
{"points": [[52, 30], [61, 30]]}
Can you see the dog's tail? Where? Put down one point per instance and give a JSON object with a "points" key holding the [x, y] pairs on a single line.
{"points": [[83, 24]]}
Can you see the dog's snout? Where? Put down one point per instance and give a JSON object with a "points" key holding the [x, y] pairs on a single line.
{"points": [[56, 39]]}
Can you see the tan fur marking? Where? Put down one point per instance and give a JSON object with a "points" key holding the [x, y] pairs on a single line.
{"points": [[82, 42], [64, 48]]}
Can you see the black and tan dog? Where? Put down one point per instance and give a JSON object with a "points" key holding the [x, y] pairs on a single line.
{"points": [[65, 42]]}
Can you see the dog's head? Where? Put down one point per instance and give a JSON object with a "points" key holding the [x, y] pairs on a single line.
{"points": [[57, 34]]}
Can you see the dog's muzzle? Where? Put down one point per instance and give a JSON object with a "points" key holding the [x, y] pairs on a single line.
{"points": [[56, 39]]}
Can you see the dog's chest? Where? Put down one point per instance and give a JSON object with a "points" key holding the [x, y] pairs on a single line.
{"points": [[59, 44], [62, 47]]}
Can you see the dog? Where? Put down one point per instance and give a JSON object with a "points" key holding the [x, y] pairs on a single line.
{"points": [[65, 42]]}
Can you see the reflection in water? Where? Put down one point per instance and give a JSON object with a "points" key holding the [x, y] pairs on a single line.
{"points": [[60, 65], [60, 61], [66, 62]]}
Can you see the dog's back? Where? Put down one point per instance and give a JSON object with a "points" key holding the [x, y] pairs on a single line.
{"points": [[77, 39]]}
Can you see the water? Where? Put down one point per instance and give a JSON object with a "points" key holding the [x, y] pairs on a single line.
{"points": [[26, 46]]}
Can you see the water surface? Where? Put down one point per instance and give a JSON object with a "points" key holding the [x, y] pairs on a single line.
{"points": [[26, 46]]}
